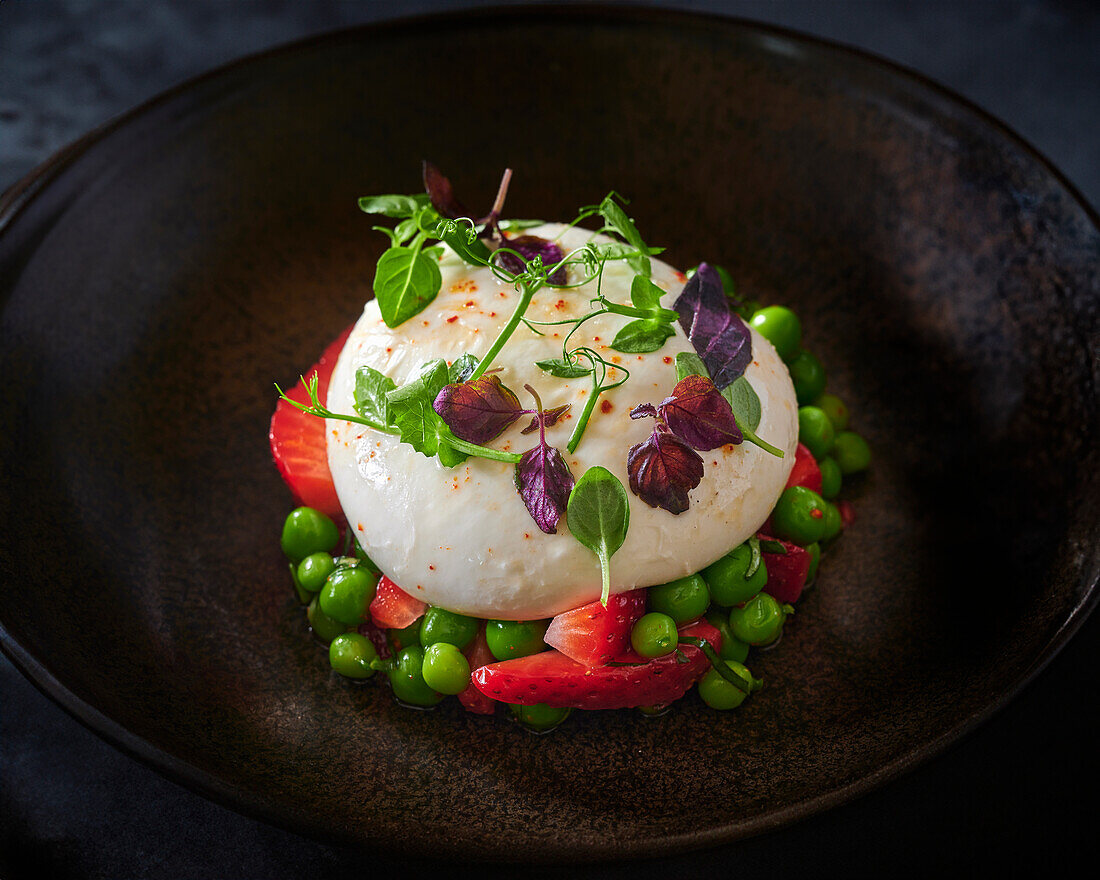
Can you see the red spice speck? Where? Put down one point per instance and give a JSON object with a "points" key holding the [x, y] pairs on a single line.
{"points": [[606, 407], [560, 304], [667, 359], [452, 319], [425, 323], [360, 527], [492, 314], [615, 359], [639, 357], [470, 303], [526, 535], [389, 351], [595, 338], [431, 568]]}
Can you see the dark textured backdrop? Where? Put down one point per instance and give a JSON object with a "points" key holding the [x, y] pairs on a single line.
{"points": [[1018, 794]]}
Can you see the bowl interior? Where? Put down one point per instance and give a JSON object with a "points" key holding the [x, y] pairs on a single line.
{"points": [[209, 245]]}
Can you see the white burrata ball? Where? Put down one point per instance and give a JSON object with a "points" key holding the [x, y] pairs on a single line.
{"points": [[461, 538]]}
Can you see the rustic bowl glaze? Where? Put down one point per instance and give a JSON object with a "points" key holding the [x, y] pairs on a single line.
{"points": [[161, 274]]}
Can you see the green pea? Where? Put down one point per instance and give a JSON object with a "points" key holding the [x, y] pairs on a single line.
{"points": [[303, 594], [539, 718], [835, 409], [654, 635], [347, 593], [781, 327], [683, 599], [721, 694], [759, 621], [732, 647], [726, 577], [402, 638], [351, 654], [314, 570], [407, 679], [808, 376], [851, 452], [830, 477], [815, 431], [441, 625], [307, 531], [323, 626], [833, 523], [508, 639], [445, 669], [815, 561], [799, 516]]}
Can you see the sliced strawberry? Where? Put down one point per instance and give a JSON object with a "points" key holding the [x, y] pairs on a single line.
{"points": [[805, 471], [786, 571], [594, 635], [478, 653], [392, 607], [554, 679], [298, 440]]}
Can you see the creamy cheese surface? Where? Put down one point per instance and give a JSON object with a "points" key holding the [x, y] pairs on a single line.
{"points": [[461, 537]]}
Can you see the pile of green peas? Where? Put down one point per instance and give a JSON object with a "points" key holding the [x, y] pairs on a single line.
{"points": [[427, 663], [729, 591]]}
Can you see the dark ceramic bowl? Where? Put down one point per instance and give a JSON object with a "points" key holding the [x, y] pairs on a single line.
{"points": [[158, 276]]}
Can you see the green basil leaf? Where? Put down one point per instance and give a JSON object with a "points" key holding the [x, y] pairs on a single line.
{"points": [[457, 236], [405, 282], [371, 388], [645, 294], [393, 206], [509, 225], [641, 336], [411, 412], [744, 402], [754, 557], [616, 218], [462, 369], [598, 516], [562, 368], [688, 363]]}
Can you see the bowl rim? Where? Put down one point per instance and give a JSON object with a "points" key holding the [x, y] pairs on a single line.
{"points": [[22, 193]]}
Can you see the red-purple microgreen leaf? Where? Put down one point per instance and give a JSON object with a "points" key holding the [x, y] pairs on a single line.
{"points": [[442, 194], [478, 411], [644, 411], [531, 246], [662, 471], [547, 419], [698, 414], [717, 332], [543, 478], [544, 482]]}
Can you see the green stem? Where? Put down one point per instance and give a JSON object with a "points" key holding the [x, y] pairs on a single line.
{"points": [[719, 664], [586, 414], [605, 572], [750, 435], [509, 329], [482, 451]]}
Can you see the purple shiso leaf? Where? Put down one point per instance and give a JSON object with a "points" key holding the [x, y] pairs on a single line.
{"points": [[442, 194], [644, 411], [547, 418], [478, 411], [662, 471], [544, 482], [698, 414], [532, 246], [717, 332], [543, 478]]}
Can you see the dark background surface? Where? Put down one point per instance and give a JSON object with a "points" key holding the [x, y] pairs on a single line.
{"points": [[1018, 795]]}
